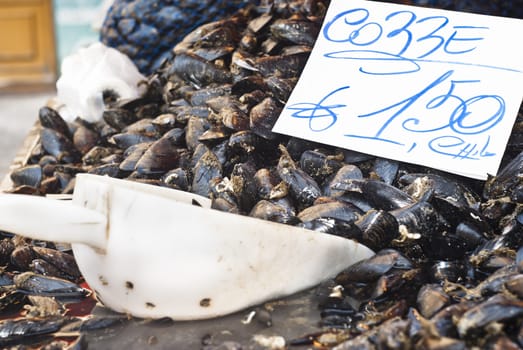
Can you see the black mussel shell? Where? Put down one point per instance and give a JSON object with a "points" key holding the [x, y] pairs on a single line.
{"points": [[50, 118], [30, 175]]}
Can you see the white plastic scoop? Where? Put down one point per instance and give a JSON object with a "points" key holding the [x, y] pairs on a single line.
{"points": [[149, 252]]}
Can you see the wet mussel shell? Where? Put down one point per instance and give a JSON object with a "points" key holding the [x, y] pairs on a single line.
{"points": [[31, 283], [23, 330]]}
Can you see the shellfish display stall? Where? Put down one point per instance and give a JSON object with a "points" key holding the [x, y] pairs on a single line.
{"points": [[420, 258]]}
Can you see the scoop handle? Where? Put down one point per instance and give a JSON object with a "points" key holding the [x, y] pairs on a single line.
{"points": [[52, 220]]}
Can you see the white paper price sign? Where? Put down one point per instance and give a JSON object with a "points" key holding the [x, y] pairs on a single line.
{"points": [[432, 87]]}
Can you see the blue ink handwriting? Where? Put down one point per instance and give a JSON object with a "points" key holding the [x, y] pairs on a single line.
{"points": [[457, 116], [450, 111], [318, 111], [412, 40], [463, 119], [457, 147]]}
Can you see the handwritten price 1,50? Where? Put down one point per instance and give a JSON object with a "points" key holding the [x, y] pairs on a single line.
{"points": [[467, 118]]}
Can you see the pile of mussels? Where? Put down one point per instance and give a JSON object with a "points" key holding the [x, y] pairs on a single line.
{"points": [[448, 272]]}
